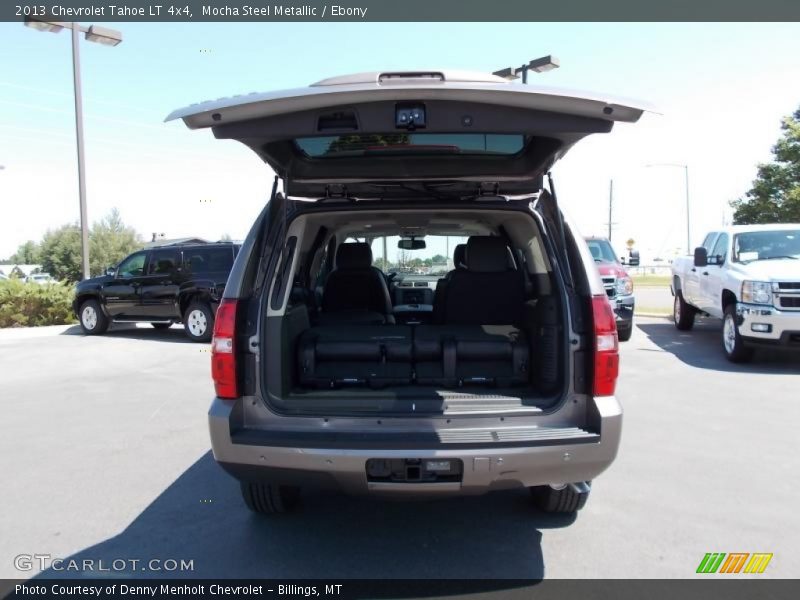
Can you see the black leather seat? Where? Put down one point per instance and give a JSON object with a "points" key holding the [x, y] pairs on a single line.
{"points": [[460, 262], [334, 356], [489, 291], [356, 292]]}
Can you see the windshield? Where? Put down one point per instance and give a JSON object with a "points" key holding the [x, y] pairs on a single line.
{"points": [[766, 245], [602, 251], [435, 260]]}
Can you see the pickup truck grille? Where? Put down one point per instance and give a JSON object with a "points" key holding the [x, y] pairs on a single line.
{"points": [[787, 294], [610, 283]]}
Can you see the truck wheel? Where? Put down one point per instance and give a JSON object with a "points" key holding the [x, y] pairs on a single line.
{"points": [[93, 320], [682, 313], [624, 332], [268, 499], [568, 499], [732, 342], [198, 321]]}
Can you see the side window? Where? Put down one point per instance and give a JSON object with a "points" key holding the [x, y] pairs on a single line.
{"points": [[720, 250], [208, 260], [707, 243], [133, 266], [163, 262]]}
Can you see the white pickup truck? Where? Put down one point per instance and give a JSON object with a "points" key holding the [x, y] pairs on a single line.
{"points": [[749, 276]]}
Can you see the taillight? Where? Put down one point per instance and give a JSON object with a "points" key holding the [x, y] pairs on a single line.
{"points": [[606, 347], [223, 355]]}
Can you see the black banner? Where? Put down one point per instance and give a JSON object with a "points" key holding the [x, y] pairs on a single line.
{"points": [[364, 589], [401, 10]]}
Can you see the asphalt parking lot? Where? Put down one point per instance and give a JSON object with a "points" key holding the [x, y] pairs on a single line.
{"points": [[104, 455]]}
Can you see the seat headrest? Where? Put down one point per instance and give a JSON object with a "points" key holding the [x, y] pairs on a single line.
{"points": [[460, 256], [487, 254], [354, 256]]}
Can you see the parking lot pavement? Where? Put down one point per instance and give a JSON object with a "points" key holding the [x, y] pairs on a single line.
{"points": [[104, 455]]}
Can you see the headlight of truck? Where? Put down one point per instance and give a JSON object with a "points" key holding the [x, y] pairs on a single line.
{"points": [[757, 292], [624, 286]]}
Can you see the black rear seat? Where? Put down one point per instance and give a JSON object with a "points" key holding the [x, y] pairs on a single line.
{"points": [[456, 355], [479, 344], [372, 355], [440, 355]]}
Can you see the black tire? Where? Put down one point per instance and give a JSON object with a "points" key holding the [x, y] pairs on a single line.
{"points": [[269, 499], [161, 325], [624, 332], [732, 343], [192, 321], [568, 499], [682, 313], [92, 319]]}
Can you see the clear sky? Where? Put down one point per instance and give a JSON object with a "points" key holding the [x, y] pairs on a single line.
{"points": [[722, 89]]}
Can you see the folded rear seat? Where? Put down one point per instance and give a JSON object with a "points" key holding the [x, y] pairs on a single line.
{"points": [[457, 355], [331, 356]]}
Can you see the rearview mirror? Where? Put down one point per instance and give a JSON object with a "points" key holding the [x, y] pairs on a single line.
{"points": [[633, 259], [111, 271], [412, 244], [700, 257]]}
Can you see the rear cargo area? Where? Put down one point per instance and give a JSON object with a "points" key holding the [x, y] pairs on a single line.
{"points": [[488, 336]]}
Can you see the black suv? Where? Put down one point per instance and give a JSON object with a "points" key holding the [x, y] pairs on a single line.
{"points": [[161, 286]]}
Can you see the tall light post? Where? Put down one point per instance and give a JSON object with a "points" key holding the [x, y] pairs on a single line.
{"points": [[686, 183], [101, 35], [539, 65]]}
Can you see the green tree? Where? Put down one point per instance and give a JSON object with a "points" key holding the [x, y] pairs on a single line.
{"points": [[28, 253], [775, 195], [110, 240], [61, 252]]}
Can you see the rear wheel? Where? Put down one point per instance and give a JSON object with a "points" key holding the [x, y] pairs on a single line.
{"points": [[161, 325], [198, 321], [93, 320], [732, 342], [567, 499], [682, 313], [269, 499]]}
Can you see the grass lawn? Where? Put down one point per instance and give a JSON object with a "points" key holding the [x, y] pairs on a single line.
{"points": [[652, 280]]}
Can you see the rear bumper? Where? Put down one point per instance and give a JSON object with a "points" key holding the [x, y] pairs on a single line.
{"points": [[251, 456], [783, 327], [623, 309]]}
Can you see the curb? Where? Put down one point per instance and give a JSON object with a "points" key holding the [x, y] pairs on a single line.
{"points": [[652, 315]]}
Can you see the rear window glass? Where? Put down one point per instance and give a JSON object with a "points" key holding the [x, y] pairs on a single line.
{"points": [[416, 143], [208, 259]]}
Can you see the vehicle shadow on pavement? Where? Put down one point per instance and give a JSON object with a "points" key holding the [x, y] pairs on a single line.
{"points": [[702, 348], [132, 332], [201, 517]]}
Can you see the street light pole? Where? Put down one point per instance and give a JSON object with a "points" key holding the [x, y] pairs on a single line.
{"points": [[76, 77], [101, 35], [539, 65]]}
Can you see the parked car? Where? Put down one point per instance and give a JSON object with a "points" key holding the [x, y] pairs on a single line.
{"points": [[179, 283], [40, 278], [617, 282], [748, 276], [322, 379]]}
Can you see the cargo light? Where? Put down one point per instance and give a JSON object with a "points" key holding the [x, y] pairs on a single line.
{"points": [[223, 352], [606, 355]]}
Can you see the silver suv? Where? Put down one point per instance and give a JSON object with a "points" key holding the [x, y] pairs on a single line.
{"points": [[411, 313]]}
